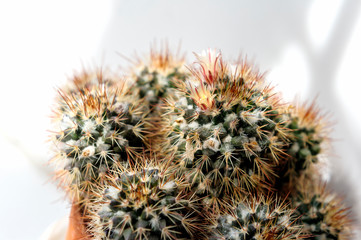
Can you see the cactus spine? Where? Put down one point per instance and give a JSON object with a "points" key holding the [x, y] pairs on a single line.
{"points": [[98, 128], [155, 77], [308, 142], [144, 202], [226, 129], [223, 140], [258, 219], [322, 213]]}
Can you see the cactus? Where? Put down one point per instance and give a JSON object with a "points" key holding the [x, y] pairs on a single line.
{"points": [[156, 75], [259, 219], [227, 130], [192, 154], [98, 125], [144, 202], [155, 78], [308, 142], [322, 213]]}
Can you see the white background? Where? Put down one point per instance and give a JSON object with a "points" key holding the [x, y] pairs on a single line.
{"points": [[308, 48]]}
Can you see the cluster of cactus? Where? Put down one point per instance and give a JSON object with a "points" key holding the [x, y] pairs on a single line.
{"points": [[202, 151]]}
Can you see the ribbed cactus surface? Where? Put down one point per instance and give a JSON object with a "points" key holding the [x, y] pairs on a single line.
{"points": [[144, 203], [308, 140], [175, 151], [322, 214], [226, 129], [155, 74], [258, 219], [97, 128]]}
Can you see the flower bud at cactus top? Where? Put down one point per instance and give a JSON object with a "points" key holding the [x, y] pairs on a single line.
{"points": [[144, 203], [96, 129], [322, 213], [156, 74], [258, 219], [226, 128]]}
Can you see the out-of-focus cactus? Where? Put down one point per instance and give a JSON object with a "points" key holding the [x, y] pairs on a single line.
{"points": [[322, 213], [144, 202], [226, 129], [258, 219], [308, 143], [156, 74], [97, 126]]}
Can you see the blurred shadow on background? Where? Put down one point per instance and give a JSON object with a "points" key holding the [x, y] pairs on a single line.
{"points": [[263, 30], [324, 64]]}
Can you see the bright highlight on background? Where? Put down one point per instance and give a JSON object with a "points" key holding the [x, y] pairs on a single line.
{"points": [[348, 82], [320, 20], [295, 80], [41, 42]]}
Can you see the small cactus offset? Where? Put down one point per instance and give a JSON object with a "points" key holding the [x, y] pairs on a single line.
{"points": [[308, 142], [98, 126], [197, 151], [144, 202], [322, 213], [155, 76], [226, 129], [258, 219]]}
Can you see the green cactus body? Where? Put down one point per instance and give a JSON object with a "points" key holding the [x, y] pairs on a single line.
{"points": [[258, 219], [155, 77], [88, 79], [322, 214], [308, 141], [226, 130], [146, 203], [97, 128]]}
